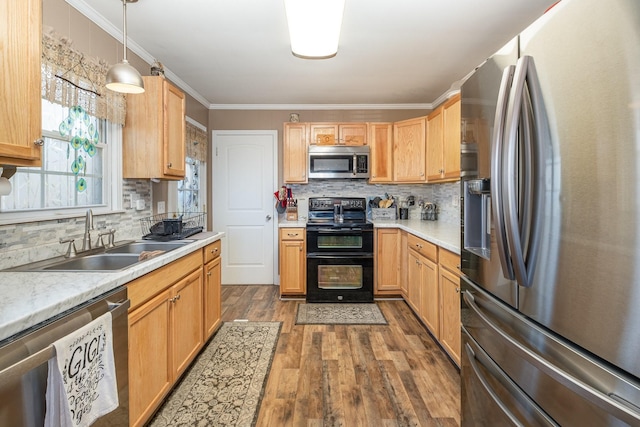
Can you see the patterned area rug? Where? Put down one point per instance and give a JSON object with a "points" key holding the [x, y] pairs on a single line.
{"points": [[341, 314], [224, 386]]}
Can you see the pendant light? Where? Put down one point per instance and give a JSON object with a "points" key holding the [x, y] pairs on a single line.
{"points": [[122, 77], [314, 27]]}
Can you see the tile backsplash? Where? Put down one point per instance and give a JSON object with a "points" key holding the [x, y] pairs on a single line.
{"points": [[34, 241], [443, 195]]}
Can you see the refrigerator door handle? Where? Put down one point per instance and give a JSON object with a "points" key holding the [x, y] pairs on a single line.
{"points": [[497, 201], [603, 400], [514, 212]]}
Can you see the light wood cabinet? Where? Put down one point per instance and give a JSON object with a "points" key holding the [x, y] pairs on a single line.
{"points": [[430, 305], [387, 280], [380, 137], [323, 134], [165, 331], [414, 281], [443, 142], [150, 376], [212, 282], [404, 262], [186, 325], [450, 303], [295, 152], [423, 274], [20, 57], [154, 132], [409, 147], [337, 133], [352, 133], [293, 261]]}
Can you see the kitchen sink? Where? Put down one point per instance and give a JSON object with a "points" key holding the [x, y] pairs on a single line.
{"points": [[98, 262], [139, 247], [123, 255]]}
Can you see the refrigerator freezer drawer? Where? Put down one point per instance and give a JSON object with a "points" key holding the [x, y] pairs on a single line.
{"points": [[571, 386], [492, 398]]}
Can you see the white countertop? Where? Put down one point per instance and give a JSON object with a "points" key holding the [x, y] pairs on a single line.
{"points": [[29, 298], [443, 234]]}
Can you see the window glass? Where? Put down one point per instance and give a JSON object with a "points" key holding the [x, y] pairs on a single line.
{"points": [[189, 188], [69, 177]]}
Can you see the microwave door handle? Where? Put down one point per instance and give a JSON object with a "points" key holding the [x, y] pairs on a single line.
{"points": [[496, 173], [355, 165]]}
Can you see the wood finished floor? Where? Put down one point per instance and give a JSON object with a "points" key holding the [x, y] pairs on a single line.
{"points": [[350, 375]]}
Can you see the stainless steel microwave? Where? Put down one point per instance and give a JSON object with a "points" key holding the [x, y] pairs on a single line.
{"points": [[338, 161]]}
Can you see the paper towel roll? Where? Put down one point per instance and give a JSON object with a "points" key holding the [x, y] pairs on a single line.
{"points": [[5, 186]]}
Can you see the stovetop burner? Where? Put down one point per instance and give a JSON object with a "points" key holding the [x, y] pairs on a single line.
{"points": [[322, 209]]}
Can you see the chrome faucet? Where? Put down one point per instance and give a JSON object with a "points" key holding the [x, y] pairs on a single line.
{"points": [[88, 226]]}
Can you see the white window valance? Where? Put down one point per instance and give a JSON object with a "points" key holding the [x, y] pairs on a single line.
{"points": [[69, 77]]}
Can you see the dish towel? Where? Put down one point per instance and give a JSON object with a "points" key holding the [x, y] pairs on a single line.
{"points": [[81, 384]]}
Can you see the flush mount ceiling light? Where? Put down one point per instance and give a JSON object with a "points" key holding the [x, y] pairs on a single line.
{"points": [[122, 77], [314, 27]]}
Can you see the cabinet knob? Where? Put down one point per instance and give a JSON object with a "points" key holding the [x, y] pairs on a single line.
{"points": [[169, 164], [208, 274], [457, 290], [39, 142]]}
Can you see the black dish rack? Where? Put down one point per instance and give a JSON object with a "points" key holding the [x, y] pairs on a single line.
{"points": [[172, 226]]}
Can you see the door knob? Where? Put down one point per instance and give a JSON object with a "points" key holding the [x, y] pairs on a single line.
{"points": [[268, 217]]}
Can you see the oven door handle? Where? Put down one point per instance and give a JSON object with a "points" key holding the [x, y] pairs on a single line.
{"points": [[341, 255], [337, 230]]}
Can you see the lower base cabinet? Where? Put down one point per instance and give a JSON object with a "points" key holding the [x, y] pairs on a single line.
{"points": [[174, 309], [212, 284], [429, 282], [293, 261], [450, 304]]}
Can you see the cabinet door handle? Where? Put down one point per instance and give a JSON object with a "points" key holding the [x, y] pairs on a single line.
{"points": [[214, 250], [208, 274], [292, 234], [39, 142]]}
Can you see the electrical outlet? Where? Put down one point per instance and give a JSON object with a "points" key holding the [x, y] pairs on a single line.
{"points": [[161, 207], [454, 201], [132, 200]]}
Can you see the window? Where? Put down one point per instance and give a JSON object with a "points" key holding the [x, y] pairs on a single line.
{"points": [[69, 177], [189, 188]]}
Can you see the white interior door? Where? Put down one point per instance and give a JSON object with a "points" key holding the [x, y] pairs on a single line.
{"points": [[244, 179]]}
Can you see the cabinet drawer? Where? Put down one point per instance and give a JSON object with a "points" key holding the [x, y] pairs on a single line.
{"points": [[450, 261], [151, 284], [292, 233], [212, 251], [423, 247]]}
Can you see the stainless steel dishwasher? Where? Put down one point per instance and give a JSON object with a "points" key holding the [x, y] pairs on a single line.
{"points": [[23, 362]]}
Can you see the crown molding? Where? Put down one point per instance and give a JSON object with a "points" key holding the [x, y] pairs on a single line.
{"points": [[428, 106]]}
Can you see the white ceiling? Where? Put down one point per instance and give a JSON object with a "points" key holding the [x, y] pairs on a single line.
{"points": [[392, 54]]}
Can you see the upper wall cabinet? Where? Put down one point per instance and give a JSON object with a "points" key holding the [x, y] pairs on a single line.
{"points": [[154, 132], [294, 155], [443, 142], [20, 110], [380, 136], [338, 133], [409, 150]]}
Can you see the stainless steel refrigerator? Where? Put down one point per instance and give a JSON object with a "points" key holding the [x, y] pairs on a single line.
{"points": [[551, 223]]}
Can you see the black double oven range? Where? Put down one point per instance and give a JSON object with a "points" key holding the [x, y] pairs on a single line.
{"points": [[339, 250]]}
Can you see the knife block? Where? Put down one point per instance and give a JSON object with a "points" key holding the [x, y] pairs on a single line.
{"points": [[292, 213]]}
